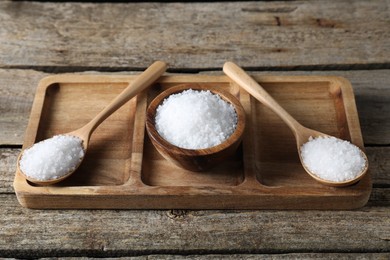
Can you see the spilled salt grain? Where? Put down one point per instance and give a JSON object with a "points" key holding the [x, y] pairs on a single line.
{"points": [[195, 119], [332, 159], [52, 158]]}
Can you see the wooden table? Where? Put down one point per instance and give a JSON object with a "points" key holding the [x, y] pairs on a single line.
{"points": [[344, 38]]}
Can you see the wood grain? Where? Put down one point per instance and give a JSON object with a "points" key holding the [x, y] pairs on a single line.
{"points": [[7, 168], [338, 36], [17, 91], [102, 233], [324, 256], [267, 34]]}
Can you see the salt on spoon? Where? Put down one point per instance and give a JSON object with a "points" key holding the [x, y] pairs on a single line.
{"points": [[332, 159], [53, 158], [56, 158], [356, 159]]}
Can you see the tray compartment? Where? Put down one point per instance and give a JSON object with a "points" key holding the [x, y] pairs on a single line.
{"points": [[157, 171], [317, 105], [68, 106]]}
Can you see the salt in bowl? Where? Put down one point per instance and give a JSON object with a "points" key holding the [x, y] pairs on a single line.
{"points": [[195, 159]]}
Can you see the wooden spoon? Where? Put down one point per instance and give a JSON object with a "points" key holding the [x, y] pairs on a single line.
{"points": [[144, 80], [301, 133]]}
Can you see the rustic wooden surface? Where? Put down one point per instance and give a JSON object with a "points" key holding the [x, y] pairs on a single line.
{"points": [[344, 38]]}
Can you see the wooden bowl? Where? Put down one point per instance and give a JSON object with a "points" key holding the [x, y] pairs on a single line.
{"points": [[195, 159]]}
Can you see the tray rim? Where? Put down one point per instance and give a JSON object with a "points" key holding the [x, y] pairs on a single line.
{"points": [[26, 192]]}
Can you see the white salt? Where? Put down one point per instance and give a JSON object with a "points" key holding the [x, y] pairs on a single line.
{"points": [[52, 158], [332, 159], [195, 119]]}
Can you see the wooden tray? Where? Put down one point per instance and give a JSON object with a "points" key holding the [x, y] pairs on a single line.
{"points": [[122, 170]]}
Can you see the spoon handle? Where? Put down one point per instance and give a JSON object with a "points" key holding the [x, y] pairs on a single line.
{"points": [[144, 80], [238, 75]]}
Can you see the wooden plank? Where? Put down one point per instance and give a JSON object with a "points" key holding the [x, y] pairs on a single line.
{"points": [[379, 197], [378, 158], [17, 90], [7, 168], [344, 256], [372, 94], [194, 35], [252, 256], [102, 233]]}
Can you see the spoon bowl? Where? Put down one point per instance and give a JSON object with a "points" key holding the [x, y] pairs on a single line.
{"points": [[302, 134], [144, 80]]}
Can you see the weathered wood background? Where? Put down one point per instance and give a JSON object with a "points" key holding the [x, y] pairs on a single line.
{"points": [[345, 38]]}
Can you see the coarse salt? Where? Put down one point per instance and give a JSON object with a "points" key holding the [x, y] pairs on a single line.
{"points": [[333, 159], [52, 158], [195, 119]]}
